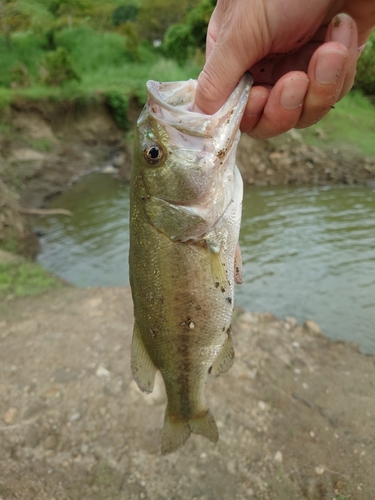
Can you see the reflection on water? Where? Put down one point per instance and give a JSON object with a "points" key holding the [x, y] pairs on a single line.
{"points": [[310, 252], [307, 252], [91, 248]]}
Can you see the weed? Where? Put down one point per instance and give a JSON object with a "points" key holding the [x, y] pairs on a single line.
{"points": [[57, 68], [118, 104], [6, 129], [42, 144], [24, 279], [10, 246]]}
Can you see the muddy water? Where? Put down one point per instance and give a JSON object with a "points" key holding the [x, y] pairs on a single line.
{"points": [[307, 252]]}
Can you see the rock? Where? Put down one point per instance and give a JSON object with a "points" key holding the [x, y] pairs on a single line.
{"points": [[108, 169], [10, 415], [26, 154], [313, 327], [119, 161], [51, 442], [294, 135], [250, 318], [102, 372], [278, 457], [291, 321], [319, 132]]}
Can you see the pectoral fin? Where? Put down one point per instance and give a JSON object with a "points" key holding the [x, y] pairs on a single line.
{"points": [[225, 358], [143, 368], [217, 270], [238, 265]]}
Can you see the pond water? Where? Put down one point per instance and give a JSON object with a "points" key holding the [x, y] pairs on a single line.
{"points": [[307, 252]]}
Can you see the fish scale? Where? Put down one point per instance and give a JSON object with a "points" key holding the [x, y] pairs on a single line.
{"points": [[186, 195]]}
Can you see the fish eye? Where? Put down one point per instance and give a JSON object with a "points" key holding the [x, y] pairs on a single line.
{"points": [[153, 154]]}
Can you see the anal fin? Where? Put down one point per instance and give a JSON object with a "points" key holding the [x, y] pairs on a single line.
{"points": [[225, 358], [143, 368]]}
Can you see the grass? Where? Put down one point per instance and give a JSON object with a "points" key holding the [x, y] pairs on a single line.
{"points": [[100, 60], [25, 49], [350, 126], [42, 144], [107, 72], [27, 278]]}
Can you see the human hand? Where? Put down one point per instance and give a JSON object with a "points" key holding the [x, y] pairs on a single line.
{"points": [[303, 57]]}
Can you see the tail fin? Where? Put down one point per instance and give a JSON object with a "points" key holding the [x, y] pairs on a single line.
{"points": [[206, 426], [175, 433]]}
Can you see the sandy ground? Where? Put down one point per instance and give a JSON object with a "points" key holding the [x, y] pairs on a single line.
{"points": [[295, 413]]}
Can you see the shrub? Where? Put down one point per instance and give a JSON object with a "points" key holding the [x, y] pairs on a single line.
{"points": [[365, 77], [57, 68], [181, 40], [132, 41], [178, 42], [20, 75], [124, 13], [118, 104]]}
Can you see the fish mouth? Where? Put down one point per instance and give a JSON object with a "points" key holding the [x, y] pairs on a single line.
{"points": [[172, 104]]}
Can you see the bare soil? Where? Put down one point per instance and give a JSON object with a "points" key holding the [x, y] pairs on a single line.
{"points": [[295, 413]]}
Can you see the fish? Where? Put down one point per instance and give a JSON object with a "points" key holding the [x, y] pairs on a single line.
{"points": [[184, 257]]}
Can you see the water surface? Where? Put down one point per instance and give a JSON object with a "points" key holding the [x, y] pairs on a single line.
{"points": [[307, 252]]}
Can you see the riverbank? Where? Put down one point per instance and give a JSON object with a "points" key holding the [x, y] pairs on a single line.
{"points": [[45, 147], [295, 413]]}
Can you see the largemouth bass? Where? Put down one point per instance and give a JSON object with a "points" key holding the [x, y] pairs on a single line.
{"points": [[186, 200]]}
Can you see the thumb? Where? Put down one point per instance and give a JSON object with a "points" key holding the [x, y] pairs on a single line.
{"points": [[232, 49]]}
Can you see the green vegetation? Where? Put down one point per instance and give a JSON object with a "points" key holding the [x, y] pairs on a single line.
{"points": [[23, 279], [351, 126], [365, 77], [183, 39], [90, 50], [87, 49], [85, 64]]}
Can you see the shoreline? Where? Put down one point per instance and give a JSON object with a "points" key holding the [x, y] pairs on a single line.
{"points": [[44, 149]]}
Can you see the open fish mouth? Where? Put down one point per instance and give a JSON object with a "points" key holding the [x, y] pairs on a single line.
{"points": [[199, 174], [173, 104]]}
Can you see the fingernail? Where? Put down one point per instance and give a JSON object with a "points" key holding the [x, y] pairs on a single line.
{"points": [[293, 93], [329, 66], [341, 30]]}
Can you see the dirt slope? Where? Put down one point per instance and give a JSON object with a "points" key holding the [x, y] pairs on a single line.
{"points": [[295, 413]]}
